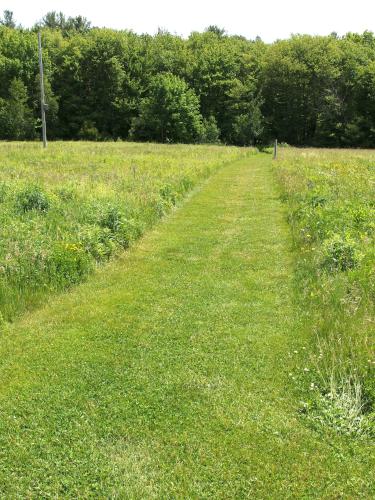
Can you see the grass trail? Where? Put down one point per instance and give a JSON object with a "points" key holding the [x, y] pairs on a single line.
{"points": [[166, 375]]}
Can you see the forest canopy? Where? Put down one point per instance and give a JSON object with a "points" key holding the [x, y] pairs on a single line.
{"points": [[103, 84]]}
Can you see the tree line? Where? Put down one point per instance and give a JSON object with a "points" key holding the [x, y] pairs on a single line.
{"points": [[103, 84]]}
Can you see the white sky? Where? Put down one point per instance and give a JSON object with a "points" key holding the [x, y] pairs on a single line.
{"points": [[270, 19]]}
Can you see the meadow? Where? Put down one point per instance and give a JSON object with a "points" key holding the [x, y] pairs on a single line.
{"points": [[65, 210], [228, 353], [330, 199]]}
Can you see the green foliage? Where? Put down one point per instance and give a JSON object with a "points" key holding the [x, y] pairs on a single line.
{"points": [[341, 409], [340, 253], [168, 194], [32, 198], [247, 128], [57, 21], [170, 113], [52, 112], [330, 201], [210, 131], [8, 19], [106, 84], [166, 376], [111, 218], [88, 132], [215, 29], [54, 20], [97, 242], [67, 264], [89, 204], [16, 119]]}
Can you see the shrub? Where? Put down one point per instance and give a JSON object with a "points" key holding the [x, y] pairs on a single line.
{"points": [[340, 254], [88, 131], [32, 198], [160, 207], [67, 265], [66, 193], [111, 217], [129, 231], [248, 127], [97, 241], [211, 132], [168, 194], [317, 200]]}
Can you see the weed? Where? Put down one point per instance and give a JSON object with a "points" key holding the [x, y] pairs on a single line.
{"points": [[32, 198], [330, 202], [340, 253], [342, 409], [94, 204]]}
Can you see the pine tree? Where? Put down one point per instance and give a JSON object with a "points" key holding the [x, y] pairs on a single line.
{"points": [[8, 19]]}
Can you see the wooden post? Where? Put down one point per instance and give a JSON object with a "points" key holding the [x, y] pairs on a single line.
{"points": [[42, 97], [275, 150]]}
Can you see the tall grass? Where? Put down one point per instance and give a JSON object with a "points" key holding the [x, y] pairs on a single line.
{"points": [[330, 197], [67, 209]]}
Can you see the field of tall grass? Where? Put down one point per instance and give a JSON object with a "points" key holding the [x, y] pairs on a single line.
{"points": [[67, 209], [330, 198]]}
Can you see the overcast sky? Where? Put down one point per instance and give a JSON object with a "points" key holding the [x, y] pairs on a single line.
{"points": [[270, 19]]}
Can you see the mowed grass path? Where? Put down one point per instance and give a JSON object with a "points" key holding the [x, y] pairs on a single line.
{"points": [[166, 375]]}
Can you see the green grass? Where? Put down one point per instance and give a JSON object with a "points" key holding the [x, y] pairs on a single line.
{"points": [[166, 375], [75, 205], [330, 198]]}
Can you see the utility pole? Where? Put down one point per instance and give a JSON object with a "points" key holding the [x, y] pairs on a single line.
{"points": [[43, 105], [275, 150]]}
